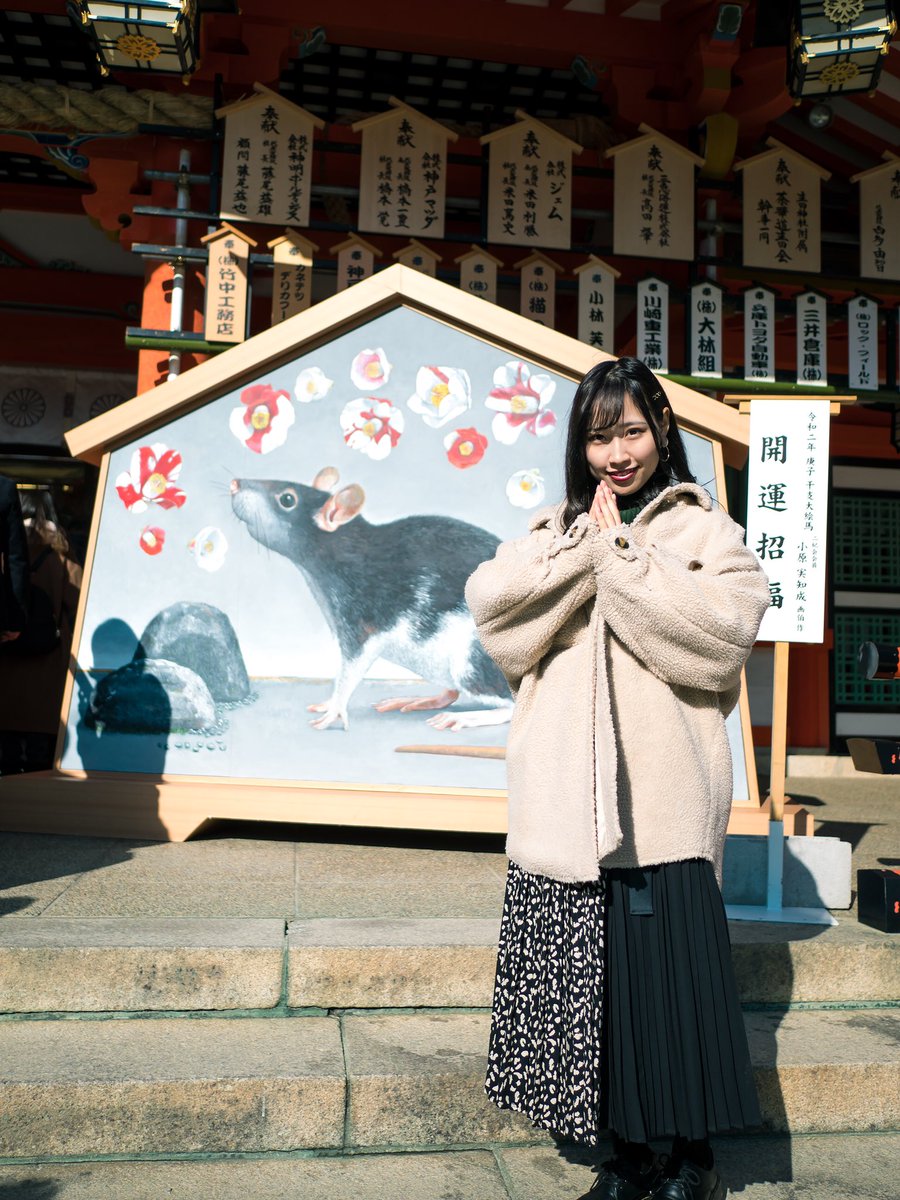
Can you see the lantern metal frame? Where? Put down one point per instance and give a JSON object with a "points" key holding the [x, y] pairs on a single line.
{"points": [[838, 46], [157, 36]]}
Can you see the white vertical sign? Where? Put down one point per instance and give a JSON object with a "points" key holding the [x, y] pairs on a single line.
{"points": [[355, 260], [787, 513], [862, 344], [478, 273], [812, 353], [537, 289], [597, 304], [653, 324], [759, 334], [706, 329]]}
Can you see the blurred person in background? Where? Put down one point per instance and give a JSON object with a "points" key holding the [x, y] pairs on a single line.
{"points": [[13, 564], [33, 668]]}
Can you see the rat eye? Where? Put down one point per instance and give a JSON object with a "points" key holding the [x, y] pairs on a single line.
{"points": [[288, 500]]}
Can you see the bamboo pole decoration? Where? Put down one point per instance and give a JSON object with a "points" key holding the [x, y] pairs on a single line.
{"points": [[778, 769]]}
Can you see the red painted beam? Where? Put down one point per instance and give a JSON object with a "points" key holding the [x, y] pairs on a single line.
{"points": [[479, 30]]}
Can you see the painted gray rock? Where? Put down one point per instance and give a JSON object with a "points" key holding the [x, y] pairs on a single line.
{"points": [[201, 638], [151, 696]]}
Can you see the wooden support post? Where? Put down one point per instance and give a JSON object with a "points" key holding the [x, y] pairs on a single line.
{"points": [[778, 769]]}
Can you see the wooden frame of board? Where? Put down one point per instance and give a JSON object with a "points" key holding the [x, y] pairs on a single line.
{"points": [[171, 807]]}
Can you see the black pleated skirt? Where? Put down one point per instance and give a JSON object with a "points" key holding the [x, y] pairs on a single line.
{"points": [[615, 1007]]}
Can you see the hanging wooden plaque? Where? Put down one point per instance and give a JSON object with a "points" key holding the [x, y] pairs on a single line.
{"points": [[403, 172], [355, 260], [812, 341], [653, 324], [418, 258], [597, 303], [862, 344], [537, 288], [529, 184], [782, 210], [478, 273], [653, 197], [879, 219], [292, 274], [267, 160], [706, 329], [759, 334], [225, 306]]}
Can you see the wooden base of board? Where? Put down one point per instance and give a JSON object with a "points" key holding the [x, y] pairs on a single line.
{"points": [[167, 811]]}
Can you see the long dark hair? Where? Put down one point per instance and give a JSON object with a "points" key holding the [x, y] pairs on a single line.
{"points": [[599, 400], [44, 528]]}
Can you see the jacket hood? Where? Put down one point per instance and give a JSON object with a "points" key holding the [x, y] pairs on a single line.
{"points": [[691, 493]]}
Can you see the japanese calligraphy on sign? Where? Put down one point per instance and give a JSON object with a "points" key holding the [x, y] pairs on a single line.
{"points": [[862, 344], [267, 160], [782, 210], [653, 209], [478, 273], [879, 219], [529, 184], [537, 288], [403, 172], [355, 260], [812, 354], [787, 513], [759, 334], [653, 324], [706, 329], [597, 303], [225, 308], [292, 276]]}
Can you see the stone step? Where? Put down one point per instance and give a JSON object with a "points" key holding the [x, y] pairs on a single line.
{"points": [[813, 1167], [253, 1084], [71, 964], [121, 964]]}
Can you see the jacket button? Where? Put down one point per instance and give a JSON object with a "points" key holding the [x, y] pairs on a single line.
{"points": [[622, 543]]}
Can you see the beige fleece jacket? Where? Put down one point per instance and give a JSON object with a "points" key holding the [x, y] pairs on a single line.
{"points": [[624, 650]]}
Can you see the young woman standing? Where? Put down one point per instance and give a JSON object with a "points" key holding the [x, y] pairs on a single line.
{"points": [[622, 622]]}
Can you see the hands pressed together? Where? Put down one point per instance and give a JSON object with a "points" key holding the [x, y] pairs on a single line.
{"points": [[605, 507]]}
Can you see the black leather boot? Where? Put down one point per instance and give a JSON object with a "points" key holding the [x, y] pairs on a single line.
{"points": [[691, 1183], [620, 1180]]}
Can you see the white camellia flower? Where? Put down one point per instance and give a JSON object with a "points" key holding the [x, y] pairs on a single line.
{"points": [[370, 369], [521, 400], [525, 489], [442, 393], [312, 384], [209, 548], [372, 426]]}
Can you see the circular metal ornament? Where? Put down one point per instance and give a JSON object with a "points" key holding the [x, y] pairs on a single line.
{"points": [[23, 407], [138, 47], [840, 72], [105, 402]]}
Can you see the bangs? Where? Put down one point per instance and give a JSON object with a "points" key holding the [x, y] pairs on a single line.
{"points": [[608, 404]]}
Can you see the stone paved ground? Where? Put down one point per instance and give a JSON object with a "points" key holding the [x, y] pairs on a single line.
{"points": [[815, 1167]]}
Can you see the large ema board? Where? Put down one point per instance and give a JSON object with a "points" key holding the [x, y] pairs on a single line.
{"points": [[273, 622]]}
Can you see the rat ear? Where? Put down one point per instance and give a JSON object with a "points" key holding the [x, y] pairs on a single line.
{"points": [[326, 479], [340, 508]]}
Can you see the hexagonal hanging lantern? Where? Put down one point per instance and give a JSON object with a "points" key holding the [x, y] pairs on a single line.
{"points": [[838, 46], [153, 35]]}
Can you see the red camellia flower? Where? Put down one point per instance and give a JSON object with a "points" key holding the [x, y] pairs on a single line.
{"points": [[152, 539], [264, 418], [151, 479], [465, 447]]}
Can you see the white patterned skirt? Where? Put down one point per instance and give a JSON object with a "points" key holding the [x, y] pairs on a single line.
{"points": [[615, 1007]]}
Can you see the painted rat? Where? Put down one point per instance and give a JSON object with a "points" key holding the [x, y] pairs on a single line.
{"points": [[393, 590]]}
